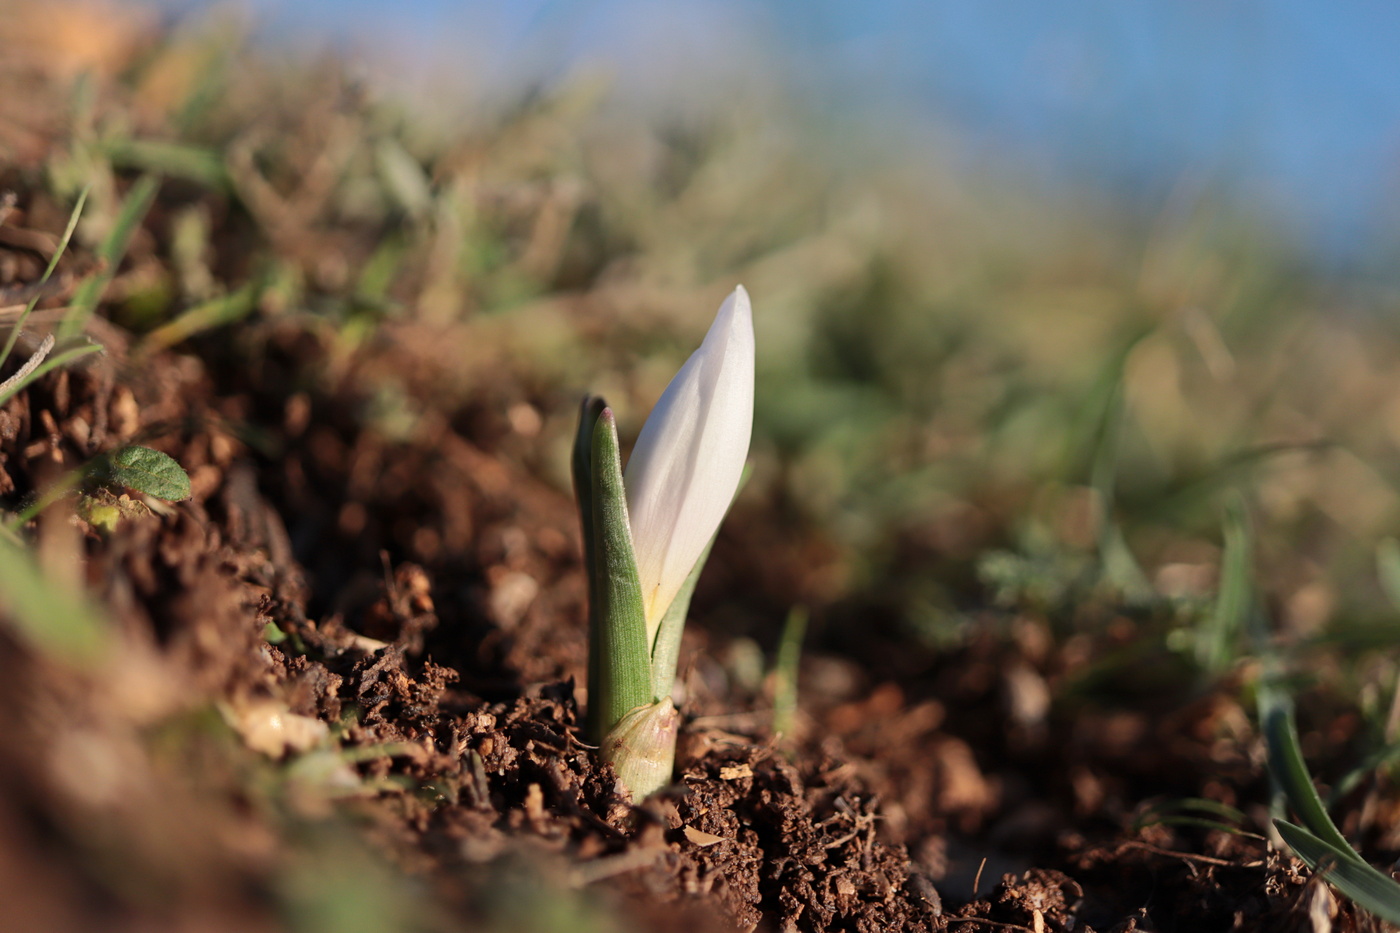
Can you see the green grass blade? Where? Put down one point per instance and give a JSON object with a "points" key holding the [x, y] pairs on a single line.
{"points": [[1192, 805], [48, 273], [1318, 842], [207, 315], [60, 488], [56, 620], [403, 177], [1380, 758], [1288, 769], [1185, 494], [785, 670], [619, 621], [1195, 811], [178, 160], [1388, 570], [1367, 886], [1103, 467], [1117, 565], [1218, 637], [138, 201], [1085, 437]]}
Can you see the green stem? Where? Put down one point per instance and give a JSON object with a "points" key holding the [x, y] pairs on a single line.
{"points": [[618, 637]]}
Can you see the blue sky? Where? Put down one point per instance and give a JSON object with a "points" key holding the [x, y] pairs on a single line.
{"points": [[1290, 104]]}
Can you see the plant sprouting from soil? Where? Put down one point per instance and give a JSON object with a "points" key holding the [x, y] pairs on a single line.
{"points": [[647, 534], [102, 501]]}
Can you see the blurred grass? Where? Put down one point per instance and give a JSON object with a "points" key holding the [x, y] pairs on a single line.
{"points": [[46, 611], [949, 363]]}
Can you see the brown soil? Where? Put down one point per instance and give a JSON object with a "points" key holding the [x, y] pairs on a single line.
{"points": [[357, 658]]}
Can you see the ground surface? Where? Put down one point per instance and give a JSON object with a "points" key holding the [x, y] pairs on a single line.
{"points": [[279, 662], [340, 686]]}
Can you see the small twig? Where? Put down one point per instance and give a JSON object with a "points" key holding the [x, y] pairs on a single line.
{"points": [[1191, 857], [723, 720], [31, 364], [992, 923], [32, 291], [33, 241], [609, 866], [977, 880], [835, 843]]}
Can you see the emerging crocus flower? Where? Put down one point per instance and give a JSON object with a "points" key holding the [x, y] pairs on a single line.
{"points": [[689, 458], [646, 534]]}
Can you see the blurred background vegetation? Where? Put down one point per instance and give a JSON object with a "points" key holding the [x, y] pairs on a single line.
{"points": [[972, 384]]}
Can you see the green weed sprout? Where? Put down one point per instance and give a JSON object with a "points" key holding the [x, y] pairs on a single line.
{"points": [[647, 534], [1315, 838]]}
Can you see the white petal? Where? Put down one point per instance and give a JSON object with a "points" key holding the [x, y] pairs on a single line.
{"points": [[690, 455]]}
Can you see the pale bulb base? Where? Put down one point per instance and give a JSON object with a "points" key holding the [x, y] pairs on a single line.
{"points": [[642, 748]]}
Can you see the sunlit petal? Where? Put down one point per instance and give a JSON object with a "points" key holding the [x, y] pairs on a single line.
{"points": [[690, 456]]}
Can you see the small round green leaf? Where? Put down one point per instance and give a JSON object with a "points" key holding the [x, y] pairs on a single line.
{"points": [[149, 471]]}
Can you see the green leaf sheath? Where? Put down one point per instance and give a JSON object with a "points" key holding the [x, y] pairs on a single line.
{"points": [[582, 465], [666, 648], [588, 414], [642, 748], [665, 651], [619, 622]]}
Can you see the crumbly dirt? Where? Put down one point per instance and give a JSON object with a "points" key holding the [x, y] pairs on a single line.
{"points": [[345, 642]]}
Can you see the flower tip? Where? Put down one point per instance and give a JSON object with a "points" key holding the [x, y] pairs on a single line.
{"points": [[738, 304]]}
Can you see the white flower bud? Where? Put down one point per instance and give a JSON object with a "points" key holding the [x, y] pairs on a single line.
{"points": [[689, 458]]}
